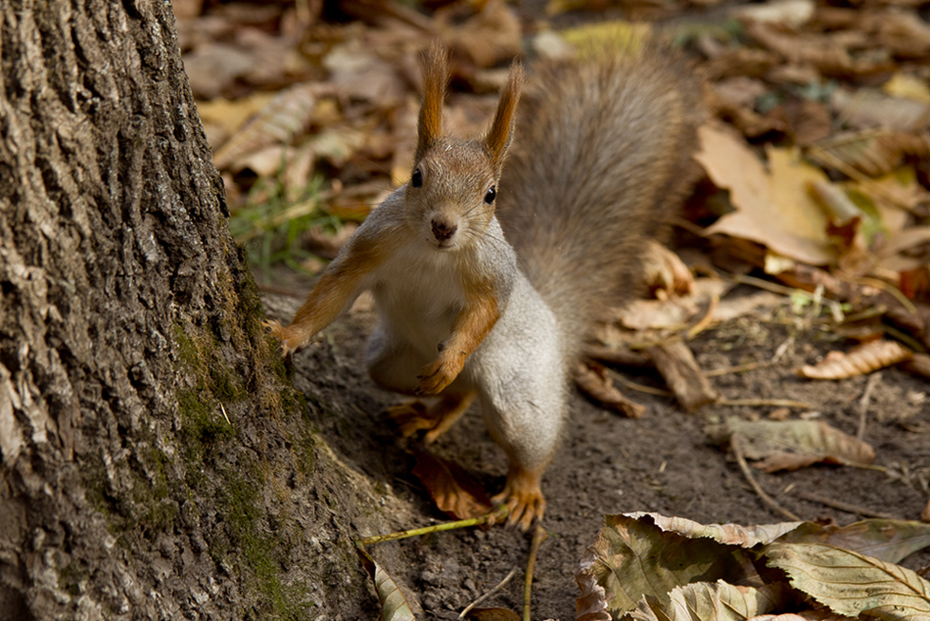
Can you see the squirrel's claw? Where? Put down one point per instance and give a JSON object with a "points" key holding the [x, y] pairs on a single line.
{"points": [[439, 374]]}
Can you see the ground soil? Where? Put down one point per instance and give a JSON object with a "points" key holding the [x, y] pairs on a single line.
{"points": [[662, 462]]}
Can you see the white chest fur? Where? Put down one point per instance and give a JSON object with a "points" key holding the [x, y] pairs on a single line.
{"points": [[419, 293]]}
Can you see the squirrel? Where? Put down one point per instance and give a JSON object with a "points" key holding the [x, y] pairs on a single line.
{"points": [[488, 276]]}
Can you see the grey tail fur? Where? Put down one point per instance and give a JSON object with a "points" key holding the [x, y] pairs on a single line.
{"points": [[601, 157]]}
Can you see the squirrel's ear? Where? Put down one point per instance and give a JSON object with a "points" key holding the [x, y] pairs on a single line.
{"points": [[501, 132], [435, 76]]}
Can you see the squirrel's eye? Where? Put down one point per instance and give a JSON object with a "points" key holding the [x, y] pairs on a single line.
{"points": [[490, 196], [417, 179]]}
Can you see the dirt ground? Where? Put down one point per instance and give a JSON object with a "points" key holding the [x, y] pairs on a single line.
{"points": [[662, 462]]}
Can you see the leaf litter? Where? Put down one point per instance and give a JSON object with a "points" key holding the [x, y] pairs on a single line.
{"points": [[793, 72]]}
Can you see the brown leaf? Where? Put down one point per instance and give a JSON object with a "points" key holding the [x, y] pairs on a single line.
{"points": [[874, 152], [592, 379], [451, 488], [491, 36], [678, 367], [860, 361], [870, 108], [773, 206], [919, 364], [788, 445], [287, 114]]}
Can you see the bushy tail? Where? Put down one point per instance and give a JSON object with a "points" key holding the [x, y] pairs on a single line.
{"points": [[601, 157]]}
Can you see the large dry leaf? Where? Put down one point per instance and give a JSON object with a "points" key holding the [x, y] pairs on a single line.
{"points": [[394, 606], [887, 540], [729, 534], [788, 445], [859, 361], [633, 558], [707, 601], [852, 584], [774, 208], [451, 488]]}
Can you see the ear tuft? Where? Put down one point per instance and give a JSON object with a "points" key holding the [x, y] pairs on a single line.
{"points": [[435, 65], [501, 132]]}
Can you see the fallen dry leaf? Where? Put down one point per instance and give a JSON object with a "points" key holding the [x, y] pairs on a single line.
{"points": [[394, 606], [592, 379], [451, 488], [285, 116], [774, 208], [680, 370], [862, 360], [789, 445]]}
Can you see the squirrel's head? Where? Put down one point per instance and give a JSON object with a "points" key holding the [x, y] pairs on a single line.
{"points": [[451, 195]]}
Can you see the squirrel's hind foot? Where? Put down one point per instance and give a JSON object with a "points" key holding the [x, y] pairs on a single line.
{"points": [[414, 416], [523, 496]]}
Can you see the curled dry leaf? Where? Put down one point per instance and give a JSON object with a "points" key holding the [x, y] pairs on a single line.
{"points": [[593, 380], [451, 488], [287, 114], [874, 152], [729, 534], [394, 606], [788, 445], [860, 361], [919, 364]]}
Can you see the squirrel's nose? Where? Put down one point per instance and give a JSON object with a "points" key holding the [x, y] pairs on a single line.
{"points": [[442, 231]]}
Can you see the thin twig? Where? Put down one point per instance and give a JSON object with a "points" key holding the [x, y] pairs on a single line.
{"points": [[500, 585], [864, 403], [735, 442], [707, 319], [778, 403], [740, 368], [890, 290], [539, 535], [638, 387], [845, 506], [498, 514]]}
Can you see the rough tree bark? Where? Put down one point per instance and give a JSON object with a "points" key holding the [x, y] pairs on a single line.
{"points": [[155, 463]]}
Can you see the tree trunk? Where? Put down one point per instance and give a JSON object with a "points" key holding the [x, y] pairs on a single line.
{"points": [[155, 463]]}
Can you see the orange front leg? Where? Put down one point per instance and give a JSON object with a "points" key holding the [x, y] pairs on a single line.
{"points": [[471, 327], [338, 287]]}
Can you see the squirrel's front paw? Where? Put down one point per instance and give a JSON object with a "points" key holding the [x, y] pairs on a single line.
{"points": [[440, 373], [289, 341]]}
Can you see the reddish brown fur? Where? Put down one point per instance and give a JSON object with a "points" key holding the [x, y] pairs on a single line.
{"points": [[435, 76], [501, 132], [472, 325]]}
